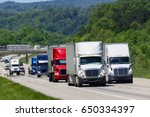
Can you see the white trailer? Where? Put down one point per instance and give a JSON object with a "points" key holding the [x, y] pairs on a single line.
{"points": [[117, 63], [84, 63]]}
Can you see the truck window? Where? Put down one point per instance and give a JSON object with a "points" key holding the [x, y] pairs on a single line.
{"points": [[119, 60], [60, 62], [90, 60], [15, 65]]}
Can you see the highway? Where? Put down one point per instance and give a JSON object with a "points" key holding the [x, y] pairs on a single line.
{"points": [[139, 90]]}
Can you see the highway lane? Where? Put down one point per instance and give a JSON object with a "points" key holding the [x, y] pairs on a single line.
{"points": [[139, 90]]}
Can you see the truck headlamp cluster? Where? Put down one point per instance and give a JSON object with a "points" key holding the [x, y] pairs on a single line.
{"points": [[130, 70], [81, 73], [102, 73], [110, 71]]}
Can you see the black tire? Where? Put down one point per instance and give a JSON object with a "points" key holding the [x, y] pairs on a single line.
{"points": [[131, 80], [69, 84], [18, 73], [78, 83], [50, 78], [53, 79]]}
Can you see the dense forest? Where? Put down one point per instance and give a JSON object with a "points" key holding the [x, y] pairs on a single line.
{"points": [[19, 7], [120, 21], [64, 20]]}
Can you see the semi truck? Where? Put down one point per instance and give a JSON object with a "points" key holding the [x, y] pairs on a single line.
{"points": [[118, 66], [57, 64], [85, 64], [14, 66], [42, 64], [33, 67]]}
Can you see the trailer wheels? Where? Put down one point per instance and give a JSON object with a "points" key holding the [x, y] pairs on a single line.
{"points": [[78, 83], [69, 81], [50, 77]]}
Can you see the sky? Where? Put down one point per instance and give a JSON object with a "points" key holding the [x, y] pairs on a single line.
{"points": [[23, 1]]}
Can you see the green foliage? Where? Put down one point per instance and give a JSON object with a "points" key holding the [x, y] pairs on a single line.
{"points": [[64, 20], [122, 21], [14, 91], [31, 36]]}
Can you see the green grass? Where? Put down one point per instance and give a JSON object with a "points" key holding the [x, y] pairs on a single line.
{"points": [[14, 91], [23, 59]]}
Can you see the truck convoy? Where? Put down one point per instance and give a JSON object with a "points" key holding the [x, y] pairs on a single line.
{"points": [[117, 63], [57, 63], [42, 64], [14, 66], [84, 63], [33, 68]]}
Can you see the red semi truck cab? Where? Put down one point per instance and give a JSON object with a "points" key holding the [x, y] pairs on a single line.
{"points": [[57, 67]]}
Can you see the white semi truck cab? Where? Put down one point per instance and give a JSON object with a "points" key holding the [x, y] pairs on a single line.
{"points": [[84, 63], [117, 63], [14, 66]]}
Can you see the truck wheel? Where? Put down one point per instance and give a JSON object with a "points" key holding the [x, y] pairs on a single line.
{"points": [[131, 80], [10, 73], [69, 83], [78, 83], [50, 77], [18, 73], [53, 79]]}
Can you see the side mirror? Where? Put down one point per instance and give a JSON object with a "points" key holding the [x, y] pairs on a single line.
{"points": [[79, 65]]}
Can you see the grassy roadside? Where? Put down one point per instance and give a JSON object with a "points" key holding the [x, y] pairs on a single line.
{"points": [[14, 91]]}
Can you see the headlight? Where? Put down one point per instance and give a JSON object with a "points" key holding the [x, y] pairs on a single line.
{"points": [[110, 71], [81, 73], [130, 71], [102, 73]]}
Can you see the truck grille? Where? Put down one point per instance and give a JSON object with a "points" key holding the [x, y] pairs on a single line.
{"points": [[63, 72], [121, 71], [15, 69], [91, 73]]}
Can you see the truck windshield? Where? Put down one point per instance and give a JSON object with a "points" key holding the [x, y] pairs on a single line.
{"points": [[15, 65], [60, 62], [119, 60], [90, 60], [42, 64]]}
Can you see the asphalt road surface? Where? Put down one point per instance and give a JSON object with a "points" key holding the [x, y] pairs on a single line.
{"points": [[139, 90]]}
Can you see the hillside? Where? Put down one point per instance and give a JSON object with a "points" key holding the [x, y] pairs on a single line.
{"points": [[13, 6], [123, 21], [64, 20]]}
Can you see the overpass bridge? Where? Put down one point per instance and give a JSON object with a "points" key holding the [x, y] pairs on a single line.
{"points": [[8, 52]]}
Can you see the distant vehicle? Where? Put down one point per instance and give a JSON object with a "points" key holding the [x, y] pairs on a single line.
{"points": [[7, 66], [22, 69], [36, 47], [57, 64], [14, 66], [42, 63], [84, 64], [6, 61], [33, 66], [2, 59], [118, 66]]}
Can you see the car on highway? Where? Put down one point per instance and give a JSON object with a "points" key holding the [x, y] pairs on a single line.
{"points": [[22, 70], [7, 66]]}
